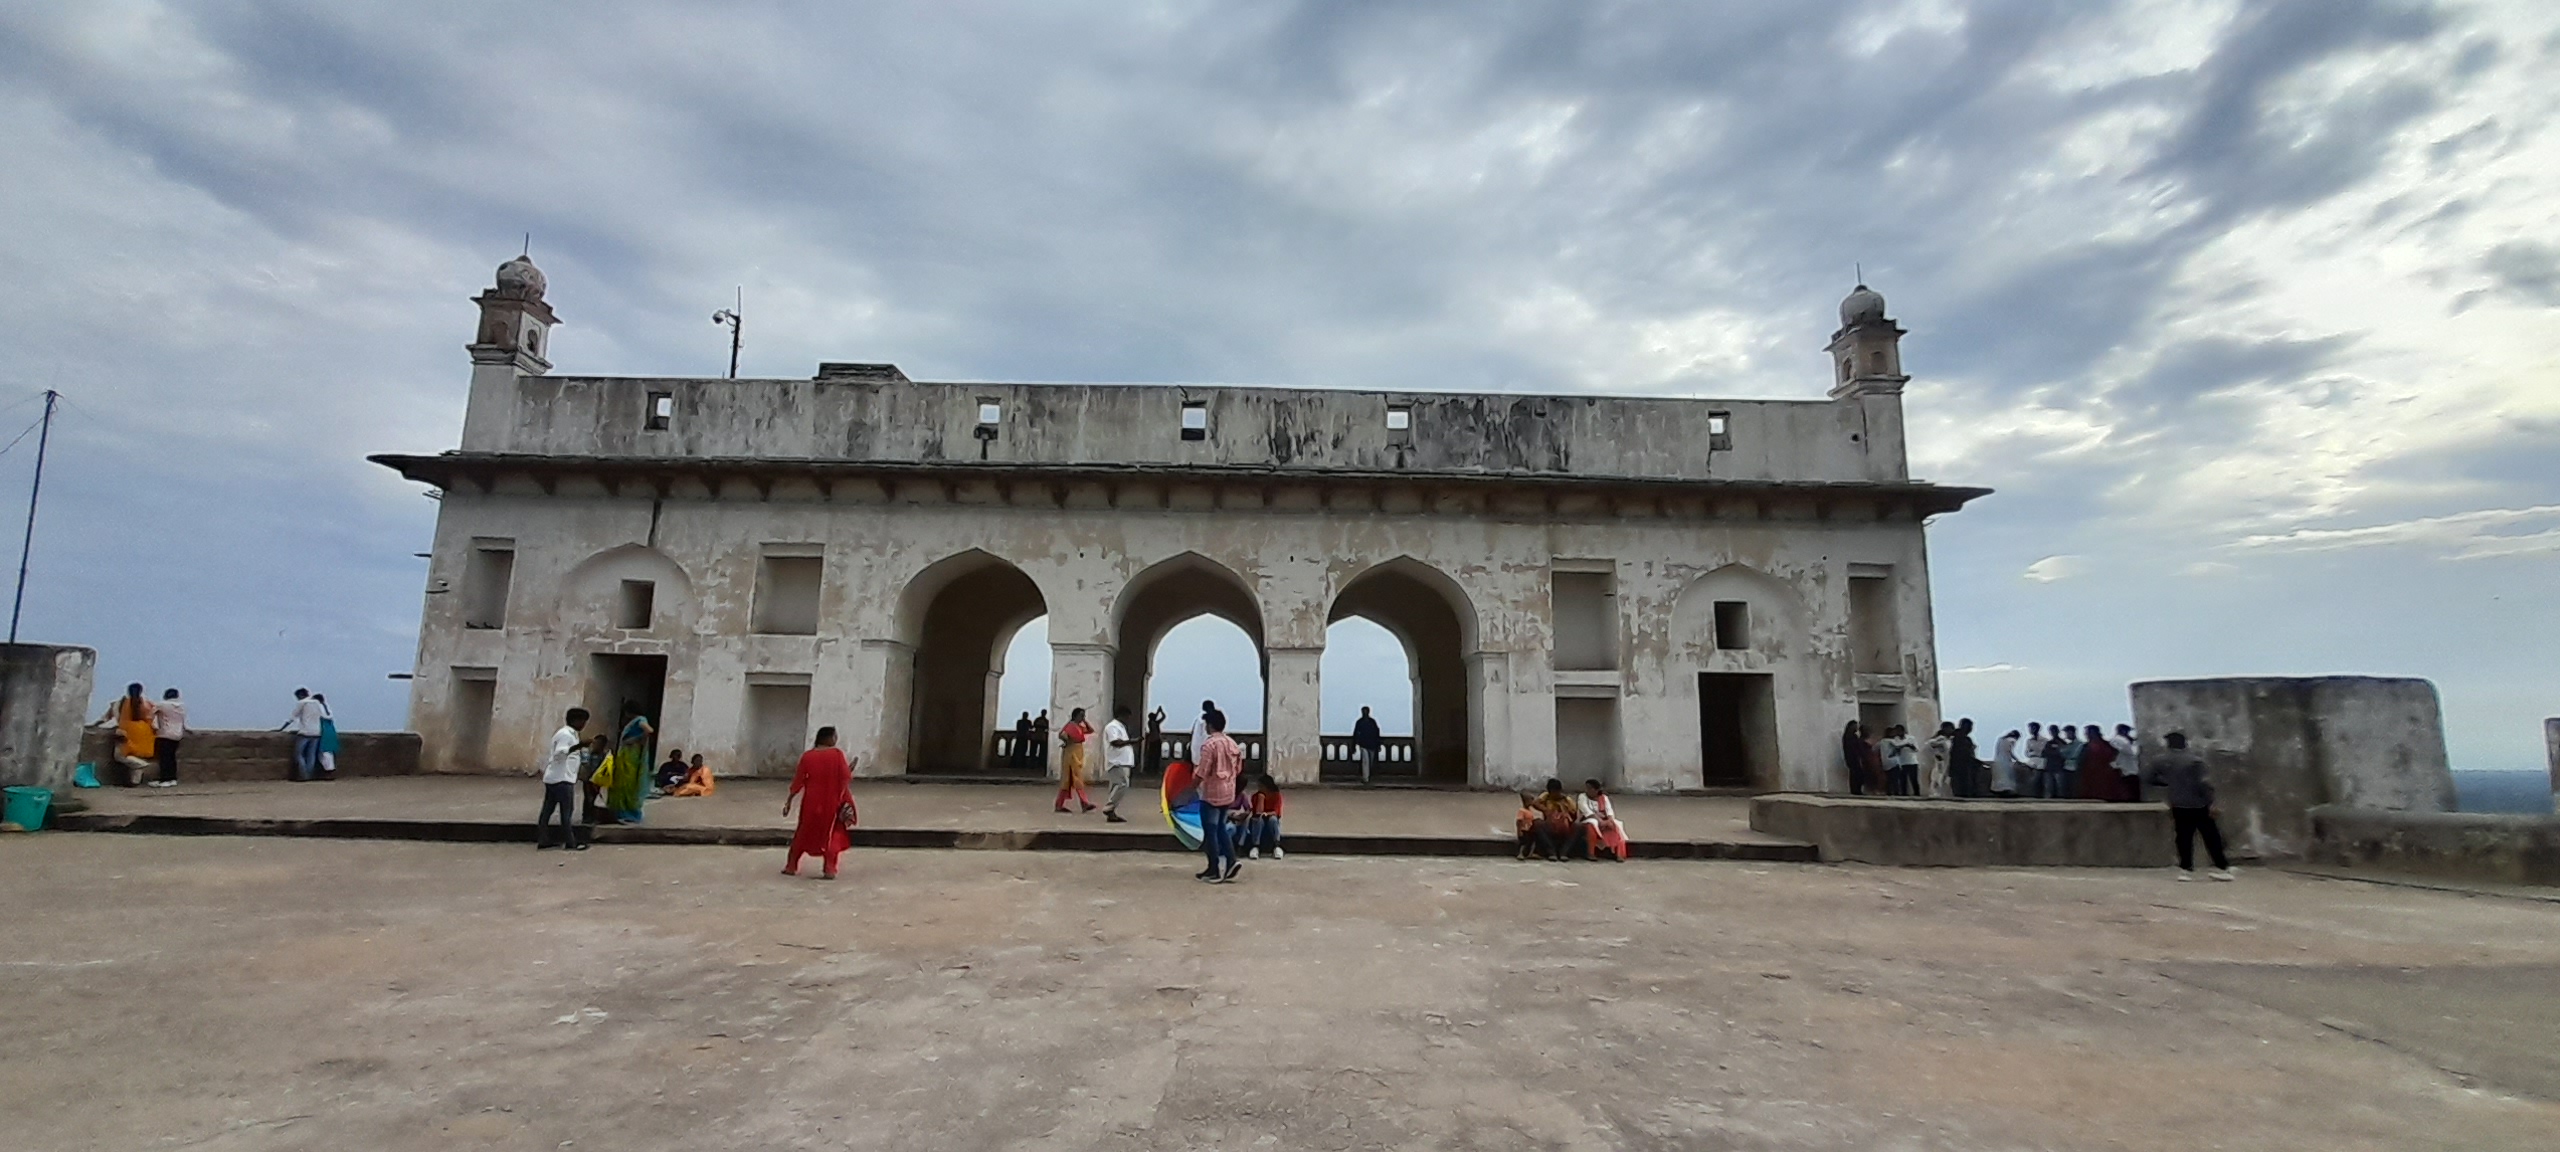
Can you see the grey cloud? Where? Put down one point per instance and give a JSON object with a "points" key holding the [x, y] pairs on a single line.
{"points": [[2526, 269]]}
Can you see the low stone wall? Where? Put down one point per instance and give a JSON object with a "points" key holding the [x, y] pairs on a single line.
{"points": [[1972, 833], [2497, 847], [234, 755]]}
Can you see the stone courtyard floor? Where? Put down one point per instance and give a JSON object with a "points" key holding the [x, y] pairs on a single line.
{"points": [[228, 993]]}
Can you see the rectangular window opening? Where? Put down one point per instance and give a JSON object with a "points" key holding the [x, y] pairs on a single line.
{"points": [[1586, 621], [787, 595], [1733, 624], [485, 577], [990, 413], [662, 411], [1875, 643], [474, 707], [1719, 431], [1400, 419], [639, 602], [1195, 420]]}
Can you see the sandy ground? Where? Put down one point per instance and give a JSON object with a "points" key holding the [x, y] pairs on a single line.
{"points": [[223, 993], [756, 803]]}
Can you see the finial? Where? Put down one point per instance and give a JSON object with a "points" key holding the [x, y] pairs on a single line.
{"points": [[528, 246], [1859, 269]]}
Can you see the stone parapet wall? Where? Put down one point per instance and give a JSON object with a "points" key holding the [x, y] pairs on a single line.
{"points": [[2277, 747], [44, 696], [2496, 847], [1972, 833], [215, 755]]}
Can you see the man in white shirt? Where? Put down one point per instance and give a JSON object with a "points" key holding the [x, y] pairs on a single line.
{"points": [[169, 723], [1200, 732], [2128, 760], [1119, 760], [560, 783], [304, 723]]}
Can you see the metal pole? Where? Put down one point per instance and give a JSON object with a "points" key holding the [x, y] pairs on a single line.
{"points": [[737, 324], [27, 545]]}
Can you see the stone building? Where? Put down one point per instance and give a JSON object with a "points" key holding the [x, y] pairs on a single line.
{"points": [[1668, 593]]}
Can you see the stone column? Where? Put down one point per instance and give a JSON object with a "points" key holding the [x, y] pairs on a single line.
{"points": [[2551, 748], [1079, 677], [1293, 715]]}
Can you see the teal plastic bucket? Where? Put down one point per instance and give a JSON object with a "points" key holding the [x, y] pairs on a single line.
{"points": [[26, 807]]}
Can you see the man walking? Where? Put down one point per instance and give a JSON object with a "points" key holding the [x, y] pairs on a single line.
{"points": [[1119, 759], [2190, 806], [169, 722], [560, 766], [304, 723], [1366, 741]]}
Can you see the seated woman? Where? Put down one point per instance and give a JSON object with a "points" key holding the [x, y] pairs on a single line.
{"points": [[697, 780], [1558, 821], [1603, 834], [670, 774]]}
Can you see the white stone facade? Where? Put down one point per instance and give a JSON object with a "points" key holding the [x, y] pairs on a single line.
{"points": [[857, 550]]}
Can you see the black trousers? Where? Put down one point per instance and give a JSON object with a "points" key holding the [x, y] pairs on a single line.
{"points": [[168, 757], [563, 797], [2190, 821]]}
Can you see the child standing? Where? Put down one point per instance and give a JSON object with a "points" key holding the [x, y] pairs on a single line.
{"points": [[1262, 827], [1526, 823]]}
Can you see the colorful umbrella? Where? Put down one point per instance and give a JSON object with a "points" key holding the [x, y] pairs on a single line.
{"points": [[1182, 803]]}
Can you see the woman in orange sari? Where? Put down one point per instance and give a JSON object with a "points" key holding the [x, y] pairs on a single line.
{"points": [[824, 786], [137, 742]]}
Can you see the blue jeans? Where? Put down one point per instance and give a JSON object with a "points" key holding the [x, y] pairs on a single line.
{"points": [[1215, 839], [1261, 832], [306, 757]]}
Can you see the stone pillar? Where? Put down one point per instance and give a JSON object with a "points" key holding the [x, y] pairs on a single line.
{"points": [[1292, 715], [878, 737], [44, 699], [1079, 677], [2551, 748]]}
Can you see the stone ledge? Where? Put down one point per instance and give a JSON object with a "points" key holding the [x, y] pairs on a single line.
{"points": [[2492, 847], [519, 832], [235, 754], [1972, 833]]}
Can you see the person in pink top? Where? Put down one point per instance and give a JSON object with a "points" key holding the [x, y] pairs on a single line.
{"points": [[1217, 765]]}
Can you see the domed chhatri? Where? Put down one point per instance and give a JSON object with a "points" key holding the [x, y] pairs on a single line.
{"points": [[1864, 305], [519, 278]]}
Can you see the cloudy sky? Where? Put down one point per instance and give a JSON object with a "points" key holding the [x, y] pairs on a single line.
{"points": [[2247, 309]]}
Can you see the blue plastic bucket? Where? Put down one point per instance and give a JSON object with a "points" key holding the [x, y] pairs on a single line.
{"points": [[26, 807]]}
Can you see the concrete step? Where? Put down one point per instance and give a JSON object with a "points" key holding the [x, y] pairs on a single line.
{"points": [[1138, 838]]}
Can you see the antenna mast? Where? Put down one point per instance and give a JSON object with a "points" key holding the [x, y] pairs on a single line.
{"points": [[26, 546], [735, 318]]}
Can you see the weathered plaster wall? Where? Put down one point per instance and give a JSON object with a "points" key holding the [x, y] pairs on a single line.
{"points": [[2277, 747], [1262, 428], [883, 552], [44, 698], [2499, 847], [2551, 749]]}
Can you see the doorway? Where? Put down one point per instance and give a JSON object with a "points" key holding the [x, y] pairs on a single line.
{"points": [[475, 705], [1738, 726], [614, 680]]}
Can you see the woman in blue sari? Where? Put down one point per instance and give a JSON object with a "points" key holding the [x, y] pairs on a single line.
{"points": [[628, 778]]}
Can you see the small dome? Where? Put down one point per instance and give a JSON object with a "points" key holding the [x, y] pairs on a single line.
{"points": [[1864, 305], [518, 277]]}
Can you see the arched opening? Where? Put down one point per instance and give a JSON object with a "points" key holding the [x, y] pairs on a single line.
{"points": [[625, 609], [1022, 674], [1365, 666], [1196, 622], [960, 615], [1430, 616], [1736, 632]]}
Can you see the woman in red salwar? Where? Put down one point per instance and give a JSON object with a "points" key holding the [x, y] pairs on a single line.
{"points": [[824, 786]]}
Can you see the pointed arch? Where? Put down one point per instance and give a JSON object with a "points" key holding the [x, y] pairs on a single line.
{"points": [[956, 617], [1436, 621], [1738, 651], [1167, 593], [593, 596]]}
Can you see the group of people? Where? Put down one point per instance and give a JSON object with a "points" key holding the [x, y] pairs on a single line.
{"points": [[610, 771], [2064, 762], [147, 734], [1553, 825]]}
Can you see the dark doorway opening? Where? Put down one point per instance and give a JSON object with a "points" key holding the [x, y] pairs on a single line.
{"points": [[1738, 723], [616, 680]]}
